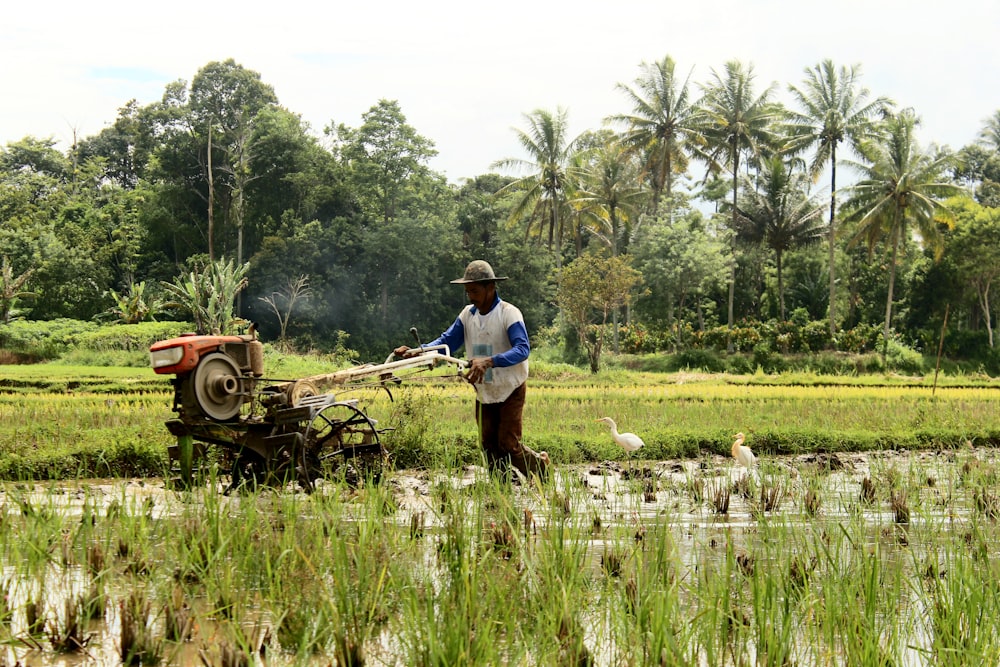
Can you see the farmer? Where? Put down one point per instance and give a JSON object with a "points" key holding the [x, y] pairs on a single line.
{"points": [[496, 345]]}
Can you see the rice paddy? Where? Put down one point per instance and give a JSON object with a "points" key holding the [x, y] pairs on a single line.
{"points": [[880, 552]]}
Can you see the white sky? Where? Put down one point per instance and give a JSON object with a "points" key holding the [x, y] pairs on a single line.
{"points": [[466, 72]]}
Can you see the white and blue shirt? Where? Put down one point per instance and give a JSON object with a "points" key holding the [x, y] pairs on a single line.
{"points": [[499, 334]]}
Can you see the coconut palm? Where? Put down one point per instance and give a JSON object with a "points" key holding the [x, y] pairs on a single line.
{"points": [[608, 192], [834, 109], [662, 126], [989, 136], [736, 122], [609, 196], [899, 193], [779, 214], [543, 190]]}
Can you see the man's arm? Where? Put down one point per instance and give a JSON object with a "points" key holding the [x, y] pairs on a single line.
{"points": [[453, 337], [519, 350]]}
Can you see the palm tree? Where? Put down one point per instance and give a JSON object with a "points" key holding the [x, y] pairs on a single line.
{"points": [[989, 136], [735, 122], [899, 192], [662, 125], [543, 190], [779, 214], [608, 192], [834, 110]]}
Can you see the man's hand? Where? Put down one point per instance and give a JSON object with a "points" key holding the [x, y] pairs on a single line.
{"points": [[477, 369], [404, 352]]}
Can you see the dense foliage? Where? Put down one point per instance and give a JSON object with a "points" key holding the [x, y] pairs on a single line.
{"points": [[348, 238]]}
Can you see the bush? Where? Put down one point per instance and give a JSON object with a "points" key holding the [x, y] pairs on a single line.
{"points": [[765, 359], [815, 336], [130, 337], [740, 364], [43, 339], [862, 338], [901, 358], [705, 360]]}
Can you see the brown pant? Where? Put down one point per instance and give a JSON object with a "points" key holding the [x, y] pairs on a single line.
{"points": [[500, 435]]}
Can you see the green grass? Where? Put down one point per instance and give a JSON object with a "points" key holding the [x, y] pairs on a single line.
{"points": [[60, 421]]}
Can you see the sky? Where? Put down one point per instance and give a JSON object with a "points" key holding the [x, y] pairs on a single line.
{"points": [[465, 74]]}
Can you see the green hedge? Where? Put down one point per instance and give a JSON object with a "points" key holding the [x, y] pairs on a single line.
{"points": [[25, 340]]}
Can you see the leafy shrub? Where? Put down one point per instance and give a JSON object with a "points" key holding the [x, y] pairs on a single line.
{"points": [[740, 364], [964, 344], [815, 336], [43, 339], [765, 358], [901, 358], [705, 360], [130, 337], [636, 339], [862, 338]]}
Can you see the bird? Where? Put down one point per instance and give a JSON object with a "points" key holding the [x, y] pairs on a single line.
{"points": [[630, 442], [742, 453]]}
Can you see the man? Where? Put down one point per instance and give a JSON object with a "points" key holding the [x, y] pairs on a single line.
{"points": [[496, 344]]}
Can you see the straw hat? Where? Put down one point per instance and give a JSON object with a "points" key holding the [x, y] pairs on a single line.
{"points": [[478, 271]]}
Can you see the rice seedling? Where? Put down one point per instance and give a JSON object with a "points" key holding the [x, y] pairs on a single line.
{"points": [[94, 601], [987, 503], [66, 633], [34, 617], [613, 560], [138, 643], [720, 498], [812, 501], [900, 507], [772, 493], [178, 618], [868, 493]]}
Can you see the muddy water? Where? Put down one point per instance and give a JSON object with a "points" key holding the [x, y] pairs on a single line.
{"points": [[609, 497]]}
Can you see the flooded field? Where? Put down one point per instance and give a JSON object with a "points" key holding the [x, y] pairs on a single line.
{"points": [[833, 559]]}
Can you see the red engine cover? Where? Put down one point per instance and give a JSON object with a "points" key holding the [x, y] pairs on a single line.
{"points": [[193, 346]]}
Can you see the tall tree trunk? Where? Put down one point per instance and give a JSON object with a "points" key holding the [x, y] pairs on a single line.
{"points": [[557, 229], [614, 253], [983, 290], [892, 282], [781, 285], [833, 211], [732, 266], [211, 199]]}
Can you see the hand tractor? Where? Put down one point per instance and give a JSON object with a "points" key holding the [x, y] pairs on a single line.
{"points": [[275, 432]]}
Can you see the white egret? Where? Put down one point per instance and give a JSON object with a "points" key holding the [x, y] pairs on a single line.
{"points": [[742, 453], [630, 442]]}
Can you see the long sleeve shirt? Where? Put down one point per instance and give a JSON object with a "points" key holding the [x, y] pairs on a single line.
{"points": [[499, 334]]}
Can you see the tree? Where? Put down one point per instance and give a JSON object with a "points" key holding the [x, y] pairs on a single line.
{"points": [[609, 197], [679, 261], [834, 110], [384, 156], [663, 125], [209, 295], [283, 303], [12, 290], [608, 193], [989, 135], [133, 306], [542, 192], [900, 192], [779, 214], [592, 285], [35, 156], [974, 246], [736, 122]]}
